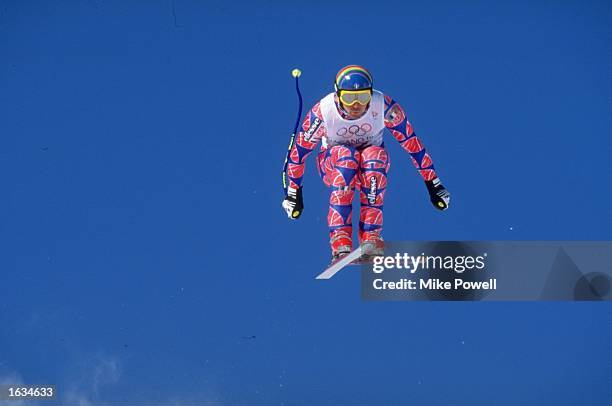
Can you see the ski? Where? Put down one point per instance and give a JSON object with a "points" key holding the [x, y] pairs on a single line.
{"points": [[362, 255], [337, 266]]}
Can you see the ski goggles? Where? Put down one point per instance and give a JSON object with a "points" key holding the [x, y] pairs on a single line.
{"points": [[350, 97]]}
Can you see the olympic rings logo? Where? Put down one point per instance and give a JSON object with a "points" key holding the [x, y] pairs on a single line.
{"points": [[354, 130]]}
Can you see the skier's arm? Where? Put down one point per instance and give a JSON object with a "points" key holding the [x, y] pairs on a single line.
{"points": [[313, 129], [401, 129]]}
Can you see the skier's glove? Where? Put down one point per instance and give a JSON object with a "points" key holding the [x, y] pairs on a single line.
{"points": [[438, 194], [293, 203]]}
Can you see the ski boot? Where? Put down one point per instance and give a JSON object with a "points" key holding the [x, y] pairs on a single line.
{"points": [[341, 245], [372, 245]]}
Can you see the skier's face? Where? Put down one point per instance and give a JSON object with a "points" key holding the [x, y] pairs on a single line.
{"points": [[356, 110]]}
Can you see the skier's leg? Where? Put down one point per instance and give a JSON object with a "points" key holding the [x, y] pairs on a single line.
{"points": [[374, 166], [339, 166]]}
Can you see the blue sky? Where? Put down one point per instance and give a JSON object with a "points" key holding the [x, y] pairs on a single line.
{"points": [[143, 237]]}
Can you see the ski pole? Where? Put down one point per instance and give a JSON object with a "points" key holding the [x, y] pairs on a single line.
{"points": [[296, 74]]}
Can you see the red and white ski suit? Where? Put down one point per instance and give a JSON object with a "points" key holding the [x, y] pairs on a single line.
{"points": [[353, 156]]}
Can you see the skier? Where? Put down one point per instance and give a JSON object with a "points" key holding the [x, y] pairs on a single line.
{"points": [[350, 124]]}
